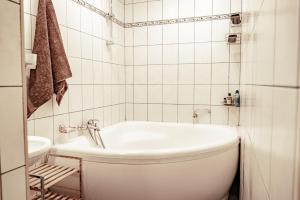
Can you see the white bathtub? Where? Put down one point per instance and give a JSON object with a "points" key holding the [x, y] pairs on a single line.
{"points": [[157, 161]]}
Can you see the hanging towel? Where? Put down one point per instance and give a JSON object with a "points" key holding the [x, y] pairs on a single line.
{"points": [[52, 68]]}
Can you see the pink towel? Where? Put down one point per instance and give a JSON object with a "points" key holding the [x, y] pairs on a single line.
{"points": [[52, 68]]}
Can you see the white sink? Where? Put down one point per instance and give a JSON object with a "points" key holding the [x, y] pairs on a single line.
{"points": [[37, 147]]}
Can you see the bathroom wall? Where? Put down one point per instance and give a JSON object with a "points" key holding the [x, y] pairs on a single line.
{"points": [[174, 69], [97, 88], [12, 131], [270, 115]]}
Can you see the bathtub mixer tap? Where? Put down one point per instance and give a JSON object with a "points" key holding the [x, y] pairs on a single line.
{"points": [[94, 131], [91, 126]]}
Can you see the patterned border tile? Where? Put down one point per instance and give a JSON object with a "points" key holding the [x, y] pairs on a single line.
{"points": [[178, 20], [151, 23]]}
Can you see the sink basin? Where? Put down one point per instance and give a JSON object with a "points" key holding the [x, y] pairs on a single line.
{"points": [[37, 148]]}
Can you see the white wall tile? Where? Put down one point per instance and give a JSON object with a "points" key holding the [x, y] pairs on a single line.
{"points": [[97, 50], [60, 7], [14, 181], [219, 115], [128, 37], [170, 74], [169, 113], [87, 71], [220, 28], [10, 56], [87, 46], [140, 12], [140, 55], [140, 75], [155, 35], [155, 54], [220, 52], [140, 93], [140, 36], [107, 116], [45, 110], [154, 74], [220, 73], [86, 19], [12, 139], [203, 31], [186, 74], [170, 33], [75, 98], [88, 96], [287, 26], [236, 6], [170, 9], [185, 95], [154, 10], [185, 113], [234, 73], [74, 47], [203, 73], [235, 53], [203, 53], [221, 6], [155, 94], [73, 15], [129, 13], [186, 8], [202, 94], [203, 7], [186, 53], [283, 143], [186, 33], [140, 112], [170, 54], [155, 112], [218, 93], [44, 127], [170, 94]]}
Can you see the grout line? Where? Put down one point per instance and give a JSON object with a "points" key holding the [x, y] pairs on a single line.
{"points": [[178, 55], [211, 62], [194, 81], [11, 86], [147, 66], [11, 1], [272, 86], [11, 170]]}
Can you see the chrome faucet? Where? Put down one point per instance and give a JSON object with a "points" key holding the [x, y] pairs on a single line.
{"points": [[94, 131]]}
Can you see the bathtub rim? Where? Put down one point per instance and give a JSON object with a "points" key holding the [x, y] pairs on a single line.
{"points": [[154, 157]]}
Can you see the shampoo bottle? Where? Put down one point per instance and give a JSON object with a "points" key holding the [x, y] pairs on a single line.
{"points": [[237, 98]]}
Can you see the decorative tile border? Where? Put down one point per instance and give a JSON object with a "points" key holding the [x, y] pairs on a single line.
{"points": [[151, 23], [178, 20]]}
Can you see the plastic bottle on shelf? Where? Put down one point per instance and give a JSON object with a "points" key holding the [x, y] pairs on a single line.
{"points": [[229, 99], [237, 98]]}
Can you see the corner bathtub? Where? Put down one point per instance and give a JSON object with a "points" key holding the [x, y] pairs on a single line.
{"points": [[157, 161]]}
